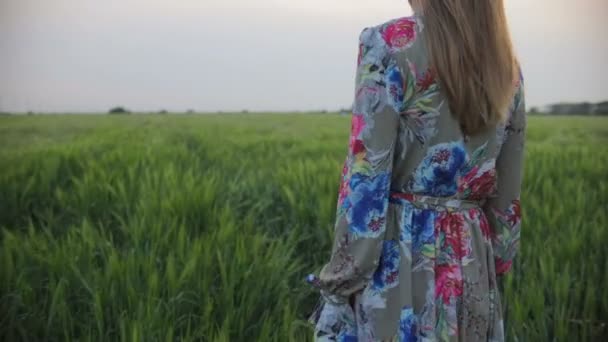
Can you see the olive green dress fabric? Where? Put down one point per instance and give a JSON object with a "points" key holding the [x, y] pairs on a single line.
{"points": [[427, 217]]}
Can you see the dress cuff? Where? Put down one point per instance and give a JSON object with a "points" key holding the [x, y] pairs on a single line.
{"points": [[329, 297], [333, 317]]}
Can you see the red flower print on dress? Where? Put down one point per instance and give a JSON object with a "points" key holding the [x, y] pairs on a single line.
{"points": [[448, 281], [453, 226], [426, 80], [360, 55], [502, 266], [517, 82], [514, 213], [483, 185], [376, 224], [477, 215], [484, 224], [506, 237], [343, 192], [478, 183], [358, 147], [400, 34], [355, 144]]}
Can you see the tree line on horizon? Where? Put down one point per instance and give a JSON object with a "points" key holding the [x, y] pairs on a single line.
{"points": [[573, 108], [561, 108]]}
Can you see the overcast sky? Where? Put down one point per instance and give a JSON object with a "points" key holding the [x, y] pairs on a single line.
{"points": [[210, 55]]}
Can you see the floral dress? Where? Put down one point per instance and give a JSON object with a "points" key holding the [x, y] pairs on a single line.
{"points": [[426, 217]]}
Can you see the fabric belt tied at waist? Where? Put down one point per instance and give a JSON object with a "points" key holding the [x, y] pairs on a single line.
{"points": [[423, 201]]}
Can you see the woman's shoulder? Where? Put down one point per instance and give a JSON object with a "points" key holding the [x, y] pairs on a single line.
{"points": [[394, 35]]}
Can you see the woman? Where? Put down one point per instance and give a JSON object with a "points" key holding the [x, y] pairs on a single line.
{"points": [[428, 212]]}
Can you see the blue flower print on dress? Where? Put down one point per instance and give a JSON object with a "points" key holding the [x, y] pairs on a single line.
{"points": [[387, 273], [347, 338], [368, 201], [423, 237], [395, 88], [405, 230], [437, 174], [407, 325], [401, 124]]}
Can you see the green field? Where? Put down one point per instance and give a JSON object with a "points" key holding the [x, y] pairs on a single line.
{"points": [[167, 227]]}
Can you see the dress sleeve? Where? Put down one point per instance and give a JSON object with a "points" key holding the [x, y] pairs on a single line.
{"points": [[503, 210], [363, 199]]}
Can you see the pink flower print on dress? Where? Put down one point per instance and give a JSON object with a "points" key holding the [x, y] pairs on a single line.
{"points": [[400, 34]]}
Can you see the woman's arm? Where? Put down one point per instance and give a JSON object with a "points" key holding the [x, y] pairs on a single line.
{"points": [[503, 210], [366, 178]]}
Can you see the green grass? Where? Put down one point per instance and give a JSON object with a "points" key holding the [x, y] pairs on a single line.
{"points": [[163, 228]]}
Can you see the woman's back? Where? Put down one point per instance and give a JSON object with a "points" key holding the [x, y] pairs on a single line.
{"points": [[427, 216], [433, 156]]}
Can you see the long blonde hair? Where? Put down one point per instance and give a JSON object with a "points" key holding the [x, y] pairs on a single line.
{"points": [[470, 50]]}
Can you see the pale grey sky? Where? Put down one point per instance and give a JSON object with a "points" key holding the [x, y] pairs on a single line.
{"points": [[209, 55]]}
